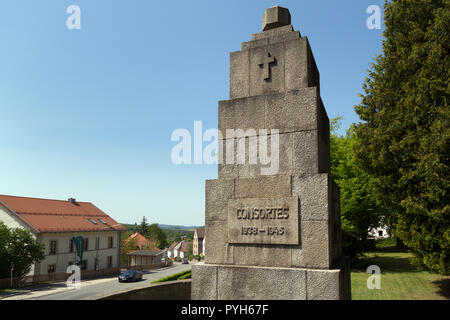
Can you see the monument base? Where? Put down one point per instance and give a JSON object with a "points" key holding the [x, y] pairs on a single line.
{"points": [[230, 282]]}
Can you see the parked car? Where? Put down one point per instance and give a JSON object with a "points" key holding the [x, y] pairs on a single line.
{"points": [[185, 261], [130, 275]]}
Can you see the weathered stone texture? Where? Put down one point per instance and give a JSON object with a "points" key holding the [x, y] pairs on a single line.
{"points": [[217, 248], [292, 111], [258, 283], [204, 282], [263, 187], [276, 17], [294, 69], [218, 192], [274, 283]]}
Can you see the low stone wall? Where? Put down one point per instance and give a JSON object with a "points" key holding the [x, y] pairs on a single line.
{"points": [[170, 290]]}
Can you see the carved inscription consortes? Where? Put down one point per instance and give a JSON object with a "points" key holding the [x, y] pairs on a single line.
{"points": [[264, 221]]}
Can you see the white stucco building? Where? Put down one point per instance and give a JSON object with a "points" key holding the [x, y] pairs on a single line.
{"points": [[55, 223]]}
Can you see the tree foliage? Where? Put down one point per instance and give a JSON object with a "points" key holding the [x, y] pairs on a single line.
{"points": [[143, 227], [126, 247], [18, 245], [403, 142], [156, 234], [359, 212]]}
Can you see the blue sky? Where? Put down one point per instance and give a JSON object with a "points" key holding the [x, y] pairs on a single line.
{"points": [[89, 113]]}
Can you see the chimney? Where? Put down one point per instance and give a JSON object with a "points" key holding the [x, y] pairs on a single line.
{"points": [[72, 200]]}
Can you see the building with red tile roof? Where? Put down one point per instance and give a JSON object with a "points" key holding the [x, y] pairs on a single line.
{"points": [[56, 222], [140, 242]]}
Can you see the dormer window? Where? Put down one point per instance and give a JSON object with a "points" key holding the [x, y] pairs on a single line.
{"points": [[102, 221], [92, 220]]}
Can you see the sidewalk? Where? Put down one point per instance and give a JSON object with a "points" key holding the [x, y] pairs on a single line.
{"points": [[46, 289]]}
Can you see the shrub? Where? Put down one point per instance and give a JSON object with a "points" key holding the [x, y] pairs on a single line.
{"points": [[174, 276]]}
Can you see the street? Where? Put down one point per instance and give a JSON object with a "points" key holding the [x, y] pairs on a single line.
{"points": [[92, 289]]}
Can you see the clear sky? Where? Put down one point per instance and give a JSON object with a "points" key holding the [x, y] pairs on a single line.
{"points": [[89, 113]]}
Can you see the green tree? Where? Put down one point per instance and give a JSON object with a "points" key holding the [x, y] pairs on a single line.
{"points": [[126, 247], [156, 234], [359, 212], [144, 227], [189, 250], [404, 142], [18, 245]]}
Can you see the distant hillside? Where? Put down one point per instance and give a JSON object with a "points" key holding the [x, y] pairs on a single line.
{"points": [[165, 227], [173, 233], [170, 227]]}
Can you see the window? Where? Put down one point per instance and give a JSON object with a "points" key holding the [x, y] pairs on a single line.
{"points": [[102, 221], [92, 221], [51, 268], [52, 247], [109, 262], [85, 244], [380, 233], [71, 245], [97, 243], [110, 242], [83, 265]]}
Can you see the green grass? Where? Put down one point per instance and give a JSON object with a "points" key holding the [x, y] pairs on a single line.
{"points": [[177, 276], [6, 290], [399, 279]]}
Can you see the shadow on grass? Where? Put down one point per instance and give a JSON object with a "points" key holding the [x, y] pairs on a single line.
{"points": [[386, 263], [444, 287], [390, 250]]}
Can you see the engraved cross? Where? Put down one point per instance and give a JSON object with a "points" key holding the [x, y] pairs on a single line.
{"points": [[268, 60]]}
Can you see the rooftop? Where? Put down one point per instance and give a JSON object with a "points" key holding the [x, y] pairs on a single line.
{"points": [[48, 215]]}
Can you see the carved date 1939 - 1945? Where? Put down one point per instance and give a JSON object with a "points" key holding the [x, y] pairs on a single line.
{"points": [[270, 231]]}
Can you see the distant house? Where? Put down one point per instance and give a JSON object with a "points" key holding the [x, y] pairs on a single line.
{"points": [[140, 242], [197, 244], [140, 258], [184, 249], [55, 223], [382, 231], [177, 249], [170, 250]]}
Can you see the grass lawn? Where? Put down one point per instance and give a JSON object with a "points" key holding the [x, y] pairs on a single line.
{"points": [[399, 279]]}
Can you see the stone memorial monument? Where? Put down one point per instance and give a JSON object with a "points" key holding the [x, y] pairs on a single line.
{"points": [[273, 234]]}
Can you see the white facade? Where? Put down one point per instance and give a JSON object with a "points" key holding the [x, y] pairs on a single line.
{"points": [[379, 233], [61, 259], [10, 221], [177, 249]]}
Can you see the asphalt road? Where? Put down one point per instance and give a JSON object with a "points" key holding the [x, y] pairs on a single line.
{"points": [[110, 286]]}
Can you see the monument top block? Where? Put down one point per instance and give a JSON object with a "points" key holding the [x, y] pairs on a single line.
{"points": [[276, 17]]}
